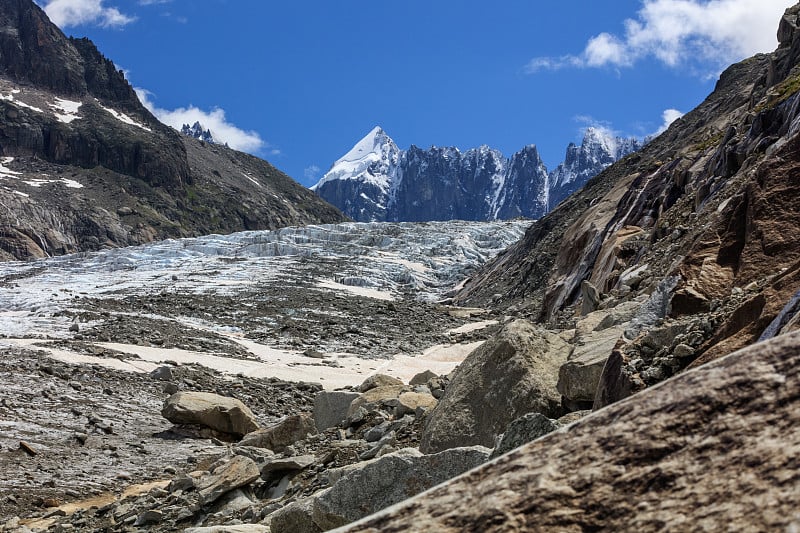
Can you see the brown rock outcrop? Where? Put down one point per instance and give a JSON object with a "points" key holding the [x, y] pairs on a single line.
{"points": [[712, 449]]}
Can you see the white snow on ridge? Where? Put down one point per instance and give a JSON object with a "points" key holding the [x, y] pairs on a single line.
{"points": [[370, 160], [125, 119], [6, 172], [68, 110], [17, 102]]}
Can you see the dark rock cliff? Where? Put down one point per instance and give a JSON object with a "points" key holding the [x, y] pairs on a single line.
{"points": [[85, 165]]}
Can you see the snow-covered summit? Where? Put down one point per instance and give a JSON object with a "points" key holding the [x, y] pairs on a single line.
{"points": [[598, 149], [370, 160], [376, 181]]}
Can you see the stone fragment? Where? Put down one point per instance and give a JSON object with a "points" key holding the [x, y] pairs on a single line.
{"points": [[409, 402], [522, 431], [379, 380], [590, 297], [221, 413], [510, 375], [278, 436], [330, 408], [237, 472], [238, 528], [149, 518], [422, 378], [284, 464]]}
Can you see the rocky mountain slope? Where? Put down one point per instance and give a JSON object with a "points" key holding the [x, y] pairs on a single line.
{"points": [[376, 181], [86, 166], [630, 364], [701, 222]]}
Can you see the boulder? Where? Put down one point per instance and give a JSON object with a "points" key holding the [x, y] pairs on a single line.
{"points": [[409, 402], [364, 488], [422, 378], [330, 408], [522, 431], [286, 464], [220, 413], [239, 528], [375, 398], [237, 472], [579, 377], [285, 433], [510, 375], [714, 448], [379, 380]]}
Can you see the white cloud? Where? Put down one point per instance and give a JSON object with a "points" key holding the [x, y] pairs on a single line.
{"points": [[668, 116], [311, 174], [711, 33], [214, 120], [66, 13]]}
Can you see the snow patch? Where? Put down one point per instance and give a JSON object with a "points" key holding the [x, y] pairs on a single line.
{"points": [[355, 290], [125, 119], [66, 110], [248, 176], [6, 172], [72, 184], [19, 103]]}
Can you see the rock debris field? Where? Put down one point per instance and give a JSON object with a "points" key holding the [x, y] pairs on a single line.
{"points": [[93, 344]]}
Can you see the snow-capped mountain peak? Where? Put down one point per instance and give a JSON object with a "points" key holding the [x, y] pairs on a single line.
{"points": [[369, 160], [377, 181]]}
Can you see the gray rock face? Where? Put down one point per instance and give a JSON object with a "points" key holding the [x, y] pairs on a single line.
{"points": [[509, 376], [330, 408], [365, 488], [220, 413], [712, 448]]}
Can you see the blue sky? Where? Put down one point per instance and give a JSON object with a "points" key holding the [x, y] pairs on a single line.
{"points": [[298, 83]]}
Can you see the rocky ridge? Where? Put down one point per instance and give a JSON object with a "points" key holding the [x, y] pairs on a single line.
{"points": [[86, 166], [376, 181]]}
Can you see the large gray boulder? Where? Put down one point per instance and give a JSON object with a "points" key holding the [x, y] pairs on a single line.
{"points": [[364, 488], [330, 408], [579, 377], [220, 413], [509, 376]]}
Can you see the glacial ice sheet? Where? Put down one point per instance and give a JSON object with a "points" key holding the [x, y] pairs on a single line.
{"points": [[387, 260]]}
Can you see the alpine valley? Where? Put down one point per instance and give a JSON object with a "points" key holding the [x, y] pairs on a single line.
{"points": [[191, 341], [376, 181]]}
